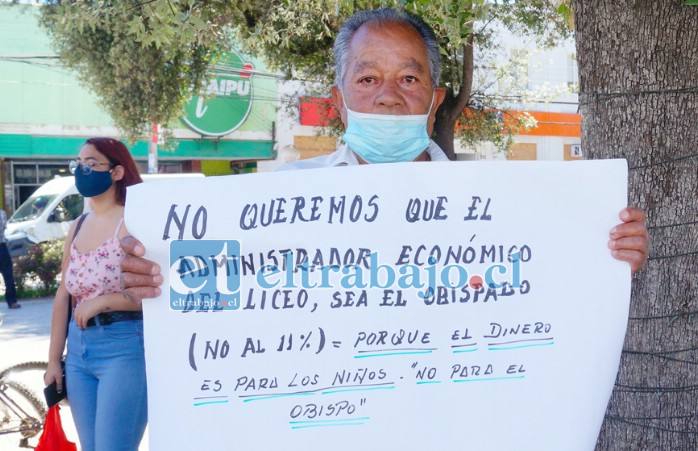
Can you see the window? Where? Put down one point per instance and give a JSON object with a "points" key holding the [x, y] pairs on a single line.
{"points": [[27, 176], [69, 208], [32, 209]]}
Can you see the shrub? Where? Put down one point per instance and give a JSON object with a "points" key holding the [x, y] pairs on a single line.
{"points": [[43, 264]]}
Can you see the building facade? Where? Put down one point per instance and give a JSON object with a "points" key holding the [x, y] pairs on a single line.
{"points": [[239, 123], [46, 114]]}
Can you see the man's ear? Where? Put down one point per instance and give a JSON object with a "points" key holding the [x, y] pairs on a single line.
{"points": [[439, 96], [338, 100]]}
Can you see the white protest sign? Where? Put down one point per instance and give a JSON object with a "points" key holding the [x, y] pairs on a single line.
{"points": [[396, 307]]}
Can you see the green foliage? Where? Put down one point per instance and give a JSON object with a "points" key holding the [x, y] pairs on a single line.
{"points": [[142, 58], [546, 20], [296, 38], [496, 126], [43, 264]]}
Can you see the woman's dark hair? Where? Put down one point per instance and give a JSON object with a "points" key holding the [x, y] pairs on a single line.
{"points": [[118, 155]]}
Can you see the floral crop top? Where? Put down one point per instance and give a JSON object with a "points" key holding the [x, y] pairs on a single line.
{"points": [[96, 272]]}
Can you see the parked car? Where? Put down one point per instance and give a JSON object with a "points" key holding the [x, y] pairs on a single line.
{"points": [[49, 211]]}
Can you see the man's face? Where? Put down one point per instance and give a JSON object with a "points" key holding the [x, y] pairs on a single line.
{"points": [[387, 72]]}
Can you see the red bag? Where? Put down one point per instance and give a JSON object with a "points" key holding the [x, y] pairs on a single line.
{"points": [[53, 438]]}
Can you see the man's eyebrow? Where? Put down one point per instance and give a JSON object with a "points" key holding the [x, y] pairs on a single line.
{"points": [[410, 64], [414, 64], [362, 64]]}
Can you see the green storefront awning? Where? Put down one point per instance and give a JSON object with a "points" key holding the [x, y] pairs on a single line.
{"points": [[28, 146]]}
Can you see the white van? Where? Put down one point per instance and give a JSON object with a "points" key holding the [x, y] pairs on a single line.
{"points": [[48, 213]]}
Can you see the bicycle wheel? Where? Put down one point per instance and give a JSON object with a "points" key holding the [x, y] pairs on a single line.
{"points": [[12, 371], [29, 375], [20, 410]]}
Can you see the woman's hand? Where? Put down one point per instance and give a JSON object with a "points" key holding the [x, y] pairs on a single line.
{"points": [[88, 309], [54, 372]]}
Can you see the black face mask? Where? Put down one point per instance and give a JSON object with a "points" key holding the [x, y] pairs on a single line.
{"points": [[92, 184]]}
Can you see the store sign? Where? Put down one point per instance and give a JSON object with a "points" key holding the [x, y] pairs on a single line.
{"points": [[224, 102]]}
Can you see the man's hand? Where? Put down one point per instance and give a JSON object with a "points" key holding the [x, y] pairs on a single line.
{"points": [[629, 240], [140, 278]]}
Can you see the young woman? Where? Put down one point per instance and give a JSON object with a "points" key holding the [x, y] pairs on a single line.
{"points": [[105, 366]]}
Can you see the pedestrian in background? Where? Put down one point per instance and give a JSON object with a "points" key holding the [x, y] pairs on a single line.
{"points": [[6, 267], [105, 362]]}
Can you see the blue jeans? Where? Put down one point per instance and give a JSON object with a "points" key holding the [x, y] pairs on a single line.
{"points": [[105, 373]]}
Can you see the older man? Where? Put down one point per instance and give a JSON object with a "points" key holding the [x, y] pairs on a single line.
{"points": [[388, 67]]}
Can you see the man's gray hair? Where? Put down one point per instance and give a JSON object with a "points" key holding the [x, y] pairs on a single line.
{"points": [[383, 16]]}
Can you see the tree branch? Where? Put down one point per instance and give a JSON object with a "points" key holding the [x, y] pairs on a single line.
{"points": [[467, 76]]}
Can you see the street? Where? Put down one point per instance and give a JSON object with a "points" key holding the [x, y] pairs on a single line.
{"points": [[24, 336]]}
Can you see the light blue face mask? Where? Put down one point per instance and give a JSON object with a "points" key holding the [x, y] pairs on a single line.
{"points": [[387, 138]]}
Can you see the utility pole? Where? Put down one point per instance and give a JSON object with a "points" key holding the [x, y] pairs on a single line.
{"points": [[153, 150]]}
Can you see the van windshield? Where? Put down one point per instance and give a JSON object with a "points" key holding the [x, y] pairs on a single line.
{"points": [[32, 208]]}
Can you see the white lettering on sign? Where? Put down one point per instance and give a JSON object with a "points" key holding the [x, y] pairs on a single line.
{"points": [[226, 87], [200, 108]]}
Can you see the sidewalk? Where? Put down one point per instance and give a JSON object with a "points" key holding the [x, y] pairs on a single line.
{"points": [[24, 336], [26, 329]]}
